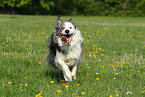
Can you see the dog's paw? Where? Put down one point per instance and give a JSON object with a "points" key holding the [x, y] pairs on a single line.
{"points": [[66, 79]]}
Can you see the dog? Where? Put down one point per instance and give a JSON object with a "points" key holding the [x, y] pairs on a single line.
{"points": [[65, 48]]}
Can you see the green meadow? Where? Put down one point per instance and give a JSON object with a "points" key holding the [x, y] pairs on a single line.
{"points": [[113, 57]]}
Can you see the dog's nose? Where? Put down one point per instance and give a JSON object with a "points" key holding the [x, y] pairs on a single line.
{"points": [[67, 31]]}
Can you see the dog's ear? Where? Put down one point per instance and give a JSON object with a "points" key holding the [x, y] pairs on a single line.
{"points": [[70, 20], [59, 21], [58, 26], [75, 26]]}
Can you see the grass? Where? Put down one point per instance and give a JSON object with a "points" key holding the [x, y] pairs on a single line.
{"points": [[113, 58]]}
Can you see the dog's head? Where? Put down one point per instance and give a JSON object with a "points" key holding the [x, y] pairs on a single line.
{"points": [[65, 30]]}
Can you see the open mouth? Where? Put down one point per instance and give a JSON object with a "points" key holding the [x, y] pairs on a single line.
{"points": [[66, 38]]}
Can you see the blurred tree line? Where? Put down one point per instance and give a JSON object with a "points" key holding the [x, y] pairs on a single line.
{"points": [[74, 7]]}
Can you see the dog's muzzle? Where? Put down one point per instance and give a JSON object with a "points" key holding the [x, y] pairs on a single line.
{"points": [[67, 38]]}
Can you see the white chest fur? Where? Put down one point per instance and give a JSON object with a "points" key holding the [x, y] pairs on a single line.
{"points": [[71, 57]]}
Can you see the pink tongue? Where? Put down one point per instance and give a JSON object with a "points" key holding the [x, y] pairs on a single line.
{"points": [[64, 38]]}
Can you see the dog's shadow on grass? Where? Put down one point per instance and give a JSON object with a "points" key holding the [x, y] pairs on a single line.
{"points": [[55, 75]]}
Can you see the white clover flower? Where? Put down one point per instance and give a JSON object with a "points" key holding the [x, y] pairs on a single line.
{"points": [[129, 93]]}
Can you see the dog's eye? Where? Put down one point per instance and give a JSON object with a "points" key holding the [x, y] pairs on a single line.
{"points": [[62, 28], [70, 27]]}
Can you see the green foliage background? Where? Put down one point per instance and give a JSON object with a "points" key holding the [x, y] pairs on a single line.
{"points": [[77, 7]]}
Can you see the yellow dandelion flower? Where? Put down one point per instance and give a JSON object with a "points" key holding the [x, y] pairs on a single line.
{"points": [[121, 65], [67, 86], [78, 84], [51, 82], [82, 93], [88, 67], [3, 42], [114, 69], [73, 94], [127, 75], [64, 84], [117, 95], [75, 79], [46, 37], [97, 78], [9, 83], [9, 69], [99, 48], [48, 85], [26, 85], [39, 62], [116, 73], [129, 85], [97, 73], [38, 95], [110, 96], [7, 45], [40, 90], [59, 91], [114, 51], [21, 90], [38, 74], [143, 91], [102, 54], [121, 34]]}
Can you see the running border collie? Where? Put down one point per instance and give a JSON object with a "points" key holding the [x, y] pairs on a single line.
{"points": [[65, 48]]}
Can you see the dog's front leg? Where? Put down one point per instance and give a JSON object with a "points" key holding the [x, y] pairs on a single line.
{"points": [[66, 71]]}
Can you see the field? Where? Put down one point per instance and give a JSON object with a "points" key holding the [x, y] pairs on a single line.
{"points": [[113, 58]]}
